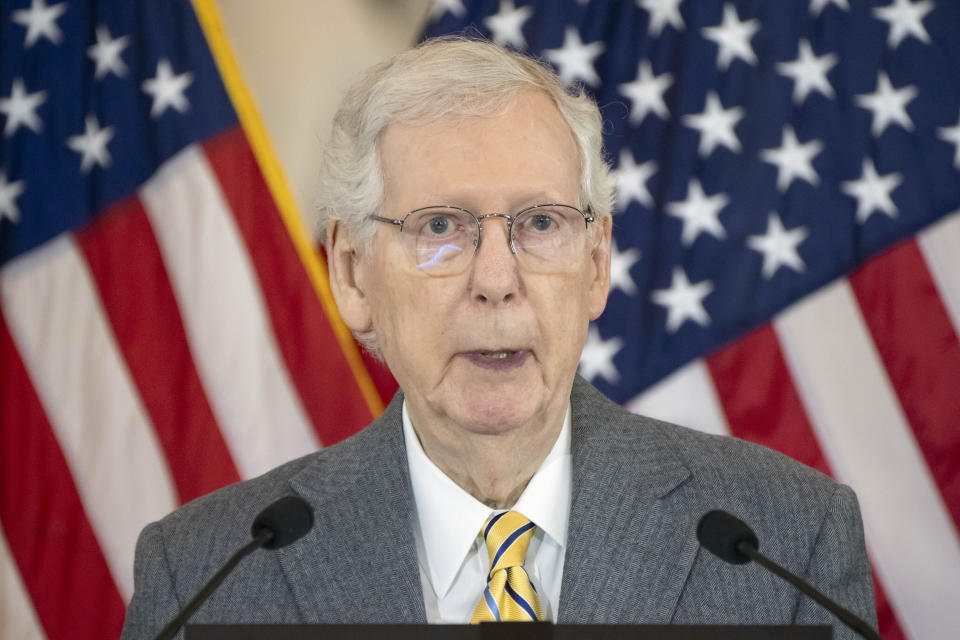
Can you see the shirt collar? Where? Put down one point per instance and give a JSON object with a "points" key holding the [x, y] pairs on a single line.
{"points": [[450, 518]]}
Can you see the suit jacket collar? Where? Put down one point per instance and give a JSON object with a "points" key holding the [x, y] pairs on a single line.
{"points": [[631, 539], [363, 509]]}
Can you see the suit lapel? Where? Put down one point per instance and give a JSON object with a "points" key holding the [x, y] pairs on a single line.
{"points": [[359, 562], [631, 539]]}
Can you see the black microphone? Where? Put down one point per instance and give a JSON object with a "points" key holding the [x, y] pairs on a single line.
{"points": [[282, 522], [733, 541]]}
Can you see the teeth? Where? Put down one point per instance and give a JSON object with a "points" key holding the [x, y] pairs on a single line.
{"points": [[499, 355]]}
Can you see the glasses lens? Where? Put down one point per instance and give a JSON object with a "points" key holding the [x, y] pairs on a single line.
{"points": [[443, 239], [549, 236]]}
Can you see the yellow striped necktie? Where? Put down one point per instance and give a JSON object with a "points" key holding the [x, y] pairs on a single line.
{"points": [[508, 596]]}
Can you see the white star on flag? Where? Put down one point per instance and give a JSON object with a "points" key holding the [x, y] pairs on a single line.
{"points": [[632, 180], [948, 134], [873, 191], [816, 6], [92, 144], [506, 26], [888, 105], [646, 93], [733, 38], [700, 213], [905, 19], [809, 72], [20, 108], [40, 20], [439, 7], [662, 12], [715, 125], [167, 89], [597, 356], [575, 59], [779, 246], [106, 53], [620, 264], [683, 300], [794, 160], [9, 192]]}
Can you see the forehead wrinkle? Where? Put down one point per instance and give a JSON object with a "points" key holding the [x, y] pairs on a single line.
{"points": [[484, 167]]}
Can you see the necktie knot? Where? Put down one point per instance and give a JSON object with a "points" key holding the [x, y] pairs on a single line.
{"points": [[509, 594], [507, 536]]}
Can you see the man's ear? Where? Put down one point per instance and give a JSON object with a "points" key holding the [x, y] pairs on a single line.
{"points": [[343, 258], [600, 286]]}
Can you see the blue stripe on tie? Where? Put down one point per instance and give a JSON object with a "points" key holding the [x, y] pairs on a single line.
{"points": [[520, 600], [492, 522], [491, 603], [509, 541]]}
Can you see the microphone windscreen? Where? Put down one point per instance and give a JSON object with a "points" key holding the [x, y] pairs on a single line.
{"points": [[720, 533], [289, 518]]}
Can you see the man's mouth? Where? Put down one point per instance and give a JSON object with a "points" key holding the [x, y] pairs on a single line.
{"points": [[498, 359], [498, 355]]}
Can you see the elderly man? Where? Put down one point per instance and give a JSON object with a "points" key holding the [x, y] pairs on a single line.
{"points": [[466, 205]]}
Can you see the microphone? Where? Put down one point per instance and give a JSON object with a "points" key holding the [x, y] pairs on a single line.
{"points": [[733, 541], [279, 524], [287, 519]]}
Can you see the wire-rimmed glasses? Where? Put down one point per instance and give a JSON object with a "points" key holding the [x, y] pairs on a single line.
{"points": [[442, 240]]}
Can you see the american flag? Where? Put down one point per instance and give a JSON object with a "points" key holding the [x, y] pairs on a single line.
{"points": [[787, 242], [165, 323]]}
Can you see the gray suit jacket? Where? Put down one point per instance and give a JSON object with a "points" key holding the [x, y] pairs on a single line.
{"points": [[639, 488]]}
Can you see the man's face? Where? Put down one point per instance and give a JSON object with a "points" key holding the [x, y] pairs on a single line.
{"points": [[496, 347]]}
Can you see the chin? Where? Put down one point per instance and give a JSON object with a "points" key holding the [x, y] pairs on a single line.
{"points": [[494, 413]]}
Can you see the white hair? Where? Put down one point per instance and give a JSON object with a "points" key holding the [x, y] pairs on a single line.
{"points": [[448, 76]]}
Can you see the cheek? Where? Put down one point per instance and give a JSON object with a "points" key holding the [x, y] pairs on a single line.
{"points": [[386, 290], [566, 314], [410, 324]]}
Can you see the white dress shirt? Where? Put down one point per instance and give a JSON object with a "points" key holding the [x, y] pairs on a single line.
{"points": [[452, 555]]}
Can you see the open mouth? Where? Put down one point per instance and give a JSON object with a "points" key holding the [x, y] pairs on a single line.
{"points": [[499, 359], [497, 355]]}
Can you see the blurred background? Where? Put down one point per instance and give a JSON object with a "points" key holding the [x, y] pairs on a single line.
{"points": [[786, 264], [299, 56]]}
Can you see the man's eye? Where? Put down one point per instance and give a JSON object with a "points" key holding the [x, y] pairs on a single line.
{"points": [[542, 222], [439, 225]]}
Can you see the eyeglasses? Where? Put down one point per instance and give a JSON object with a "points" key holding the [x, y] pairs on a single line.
{"points": [[442, 240]]}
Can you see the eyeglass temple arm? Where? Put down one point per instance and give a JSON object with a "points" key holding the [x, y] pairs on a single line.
{"points": [[393, 221]]}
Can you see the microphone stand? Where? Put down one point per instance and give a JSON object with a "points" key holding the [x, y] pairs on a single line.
{"points": [[845, 615], [263, 537]]}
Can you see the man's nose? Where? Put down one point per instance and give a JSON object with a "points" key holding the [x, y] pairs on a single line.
{"points": [[494, 277]]}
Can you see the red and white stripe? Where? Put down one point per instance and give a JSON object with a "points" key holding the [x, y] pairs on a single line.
{"points": [[860, 381], [17, 617], [246, 382], [171, 347], [55, 318]]}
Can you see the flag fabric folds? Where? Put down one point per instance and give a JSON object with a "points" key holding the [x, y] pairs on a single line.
{"points": [[786, 239], [166, 327]]}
